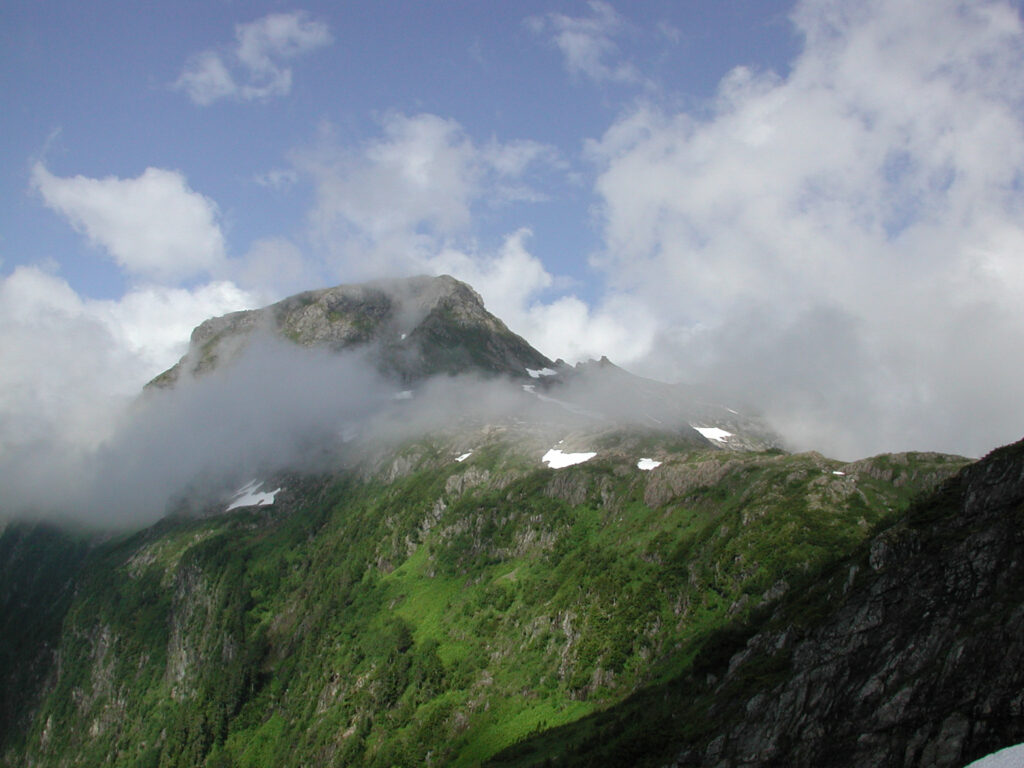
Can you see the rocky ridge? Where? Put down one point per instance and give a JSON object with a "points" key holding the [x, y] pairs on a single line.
{"points": [[412, 328]]}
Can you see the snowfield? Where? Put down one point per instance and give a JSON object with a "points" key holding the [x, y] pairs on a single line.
{"points": [[647, 464], [1011, 757], [555, 459], [250, 496], [713, 433]]}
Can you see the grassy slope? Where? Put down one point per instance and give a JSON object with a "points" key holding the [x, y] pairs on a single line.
{"points": [[406, 623]]}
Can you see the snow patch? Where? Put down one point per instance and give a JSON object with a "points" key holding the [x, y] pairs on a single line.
{"points": [[1011, 757], [536, 374], [249, 495], [571, 407], [837, 472], [647, 464], [464, 456], [555, 459], [713, 433]]}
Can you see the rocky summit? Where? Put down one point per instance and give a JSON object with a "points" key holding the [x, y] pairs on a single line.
{"points": [[412, 328], [516, 562]]}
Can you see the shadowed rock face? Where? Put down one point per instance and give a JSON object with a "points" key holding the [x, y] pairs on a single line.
{"points": [[410, 329], [920, 661]]}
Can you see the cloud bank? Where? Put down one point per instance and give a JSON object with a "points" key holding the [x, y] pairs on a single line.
{"points": [[843, 244], [73, 367]]}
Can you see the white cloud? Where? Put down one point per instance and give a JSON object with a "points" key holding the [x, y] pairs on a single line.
{"points": [[253, 68], [588, 43], [154, 226], [206, 79], [402, 196], [153, 323], [72, 367], [844, 243], [423, 173]]}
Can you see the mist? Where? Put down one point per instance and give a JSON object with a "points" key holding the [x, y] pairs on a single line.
{"points": [[274, 408], [278, 407]]}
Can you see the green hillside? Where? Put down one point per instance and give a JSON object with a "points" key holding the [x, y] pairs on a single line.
{"points": [[423, 610]]}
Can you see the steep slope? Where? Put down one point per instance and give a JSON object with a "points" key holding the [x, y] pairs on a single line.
{"points": [[907, 653], [39, 565], [424, 609], [411, 328]]}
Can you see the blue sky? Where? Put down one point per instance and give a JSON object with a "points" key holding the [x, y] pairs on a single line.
{"points": [[91, 92], [814, 207]]}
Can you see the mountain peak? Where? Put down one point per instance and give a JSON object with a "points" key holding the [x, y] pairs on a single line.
{"points": [[412, 328]]}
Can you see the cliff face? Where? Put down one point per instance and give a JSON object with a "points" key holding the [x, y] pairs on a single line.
{"points": [[921, 661]]}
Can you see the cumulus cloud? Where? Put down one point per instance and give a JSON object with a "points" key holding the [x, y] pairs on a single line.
{"points": [[403, 195], [587, 43], [422, 174], [843, 243], [154, 226], [253, 67]]}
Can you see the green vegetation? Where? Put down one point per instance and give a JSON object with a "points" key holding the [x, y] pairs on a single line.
{"points": [[439, 618]]}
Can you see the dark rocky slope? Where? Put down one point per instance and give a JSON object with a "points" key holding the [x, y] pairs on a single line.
{"points": [[908, 654], [921, 661]]}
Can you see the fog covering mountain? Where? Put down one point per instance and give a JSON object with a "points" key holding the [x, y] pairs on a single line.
{"points": [[289, 387], [369, 525]]}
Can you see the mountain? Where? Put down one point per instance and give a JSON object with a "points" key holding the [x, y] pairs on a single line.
{"points": [[413, 330], [515, 560]]}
